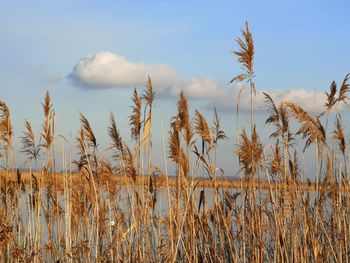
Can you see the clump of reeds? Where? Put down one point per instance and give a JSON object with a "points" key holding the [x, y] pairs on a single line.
{"points": [[111, 210]]}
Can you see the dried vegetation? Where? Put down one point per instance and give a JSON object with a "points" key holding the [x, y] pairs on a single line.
{"points": [[269, 216]]}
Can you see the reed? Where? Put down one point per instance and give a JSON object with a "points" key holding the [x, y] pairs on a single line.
{"points": [[126, 209]]}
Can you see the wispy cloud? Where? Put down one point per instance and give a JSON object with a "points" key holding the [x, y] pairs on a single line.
{"points": [[311, 101], [51, 80], [109, 70]]}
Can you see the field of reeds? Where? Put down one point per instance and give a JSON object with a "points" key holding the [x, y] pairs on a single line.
{"points": [[126, 209]]}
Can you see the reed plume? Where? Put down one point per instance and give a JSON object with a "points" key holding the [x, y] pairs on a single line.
{"points": [[246, 58], [122, 152], [174, 146], [47, 105], [329, 176], [218, 133], [276, 168], [278, 117], [149, 94], [128, 168], [135, 117], [184, 119], [344, 89], [28, 142], [114, 134], [176, 153], [294, 167], [89, 134], [5, 124], [82, 162], [81, 141], [181, 126], [46, 133], [331, 98], [311, 127], [338, 135], [250, 153], [201, 127]]}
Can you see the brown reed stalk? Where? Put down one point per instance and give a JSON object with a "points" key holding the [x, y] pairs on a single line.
{"points": [[148, 97], [280, 119], [6, 138], [129, 168]]}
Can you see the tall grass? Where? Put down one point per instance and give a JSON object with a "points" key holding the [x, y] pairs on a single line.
{"points": [[272, 214]]}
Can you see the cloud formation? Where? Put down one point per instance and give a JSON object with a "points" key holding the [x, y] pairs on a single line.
{"points": [[106, 70], [109, 70], [308, 100]]}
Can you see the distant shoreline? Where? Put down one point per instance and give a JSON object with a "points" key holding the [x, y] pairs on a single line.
{"points": [[162, 181]]}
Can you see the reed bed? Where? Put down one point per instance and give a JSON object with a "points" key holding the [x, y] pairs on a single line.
{"points": [[270, 214]]}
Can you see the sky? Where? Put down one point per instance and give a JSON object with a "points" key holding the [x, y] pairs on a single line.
{"points": [[91, 54]]}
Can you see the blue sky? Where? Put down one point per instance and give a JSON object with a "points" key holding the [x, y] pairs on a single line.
{"points": [[300, 46]]}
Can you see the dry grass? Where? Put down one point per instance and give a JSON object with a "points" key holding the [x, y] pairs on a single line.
{"points": [[126, 209]]}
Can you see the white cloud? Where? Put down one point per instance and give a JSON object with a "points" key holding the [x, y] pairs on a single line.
{"points": [[198, 88], [106, 69], [308, 100], [109, 70]]}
